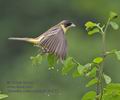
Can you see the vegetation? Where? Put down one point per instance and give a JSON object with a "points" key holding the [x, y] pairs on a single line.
{"points": [[2, 96], [93, 71]]}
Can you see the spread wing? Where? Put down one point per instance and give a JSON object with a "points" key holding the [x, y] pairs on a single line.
{"points": [[55, 42]]}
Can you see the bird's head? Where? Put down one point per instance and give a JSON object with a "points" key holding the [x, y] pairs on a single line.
{"points": [[66, 24]]}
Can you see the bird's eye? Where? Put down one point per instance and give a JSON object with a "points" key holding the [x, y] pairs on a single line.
{"points": [[67, 24]]}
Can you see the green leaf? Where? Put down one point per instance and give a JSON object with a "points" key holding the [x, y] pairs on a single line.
{"points": [[114, 25], [92, 73], [93, 31], [2, 96], [117, 54], [88, 65], [75, 74], [68, 65], [112, 87], [112, 92], [92, 28], [81, 69], [84, 69], [107, 79], [90, 24], [52, 60], [98, 60], [92, 82], [89, 96], [113, 15], [112, 96], [36, 59]]}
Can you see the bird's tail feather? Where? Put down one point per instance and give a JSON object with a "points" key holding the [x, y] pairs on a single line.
{"points": [[30, 40]]}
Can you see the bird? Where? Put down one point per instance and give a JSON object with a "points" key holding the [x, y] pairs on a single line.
{"points": [[52, 41]]}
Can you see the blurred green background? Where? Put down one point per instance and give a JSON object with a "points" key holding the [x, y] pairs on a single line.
{"points": [[30, 18]]}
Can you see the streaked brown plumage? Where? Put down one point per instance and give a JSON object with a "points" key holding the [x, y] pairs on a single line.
{"points": [[52, 41]]}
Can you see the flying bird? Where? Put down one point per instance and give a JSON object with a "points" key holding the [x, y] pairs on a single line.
{"points": [[52, 41]]}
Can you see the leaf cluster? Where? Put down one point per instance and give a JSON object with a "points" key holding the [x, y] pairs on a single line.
{"points": [[90, 70], [2, 96]]}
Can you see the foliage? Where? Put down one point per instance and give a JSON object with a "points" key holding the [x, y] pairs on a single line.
{"points": [[117, 53], [52, 59], [107, 79], [89, 96], [94, 69], [112, 92], [68, 65], [36, 59], [92, 82], [2, 96]]}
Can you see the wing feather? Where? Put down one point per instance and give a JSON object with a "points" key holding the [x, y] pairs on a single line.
{"points": [[55, 43]]}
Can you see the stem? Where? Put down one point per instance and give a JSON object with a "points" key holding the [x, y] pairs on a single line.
{"points": [[102, 66], [98, 84], [108, 22], [99, 89]]}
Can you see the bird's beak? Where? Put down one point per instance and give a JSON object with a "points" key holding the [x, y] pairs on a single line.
{"points": [[73, 25]]}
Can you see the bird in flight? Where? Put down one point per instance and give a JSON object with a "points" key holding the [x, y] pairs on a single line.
{"points": [[52, 41]]}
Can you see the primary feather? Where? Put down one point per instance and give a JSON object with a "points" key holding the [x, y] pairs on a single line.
{"points": [[55, 43]]}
